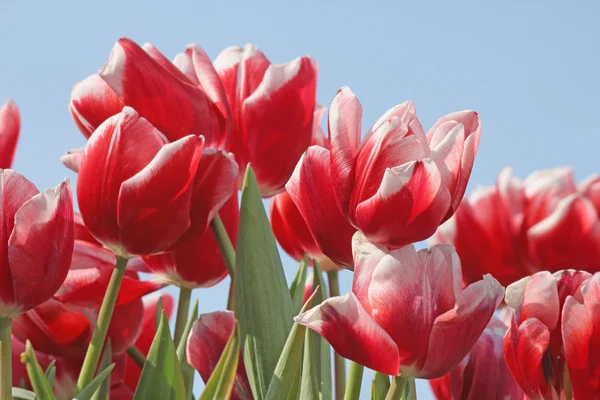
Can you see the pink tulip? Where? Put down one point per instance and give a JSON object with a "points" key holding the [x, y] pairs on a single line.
{"points": [[10, 125], [142, 78], [533, 345], [407, 313], [516, 228], [483, 373], [139, 195], [272, 111], [37, 242], [207, 341], [395, 186]]}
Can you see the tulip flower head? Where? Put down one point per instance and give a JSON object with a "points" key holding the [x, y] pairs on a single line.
{"points": [[407, 312], [10, 125], [396, 185]]}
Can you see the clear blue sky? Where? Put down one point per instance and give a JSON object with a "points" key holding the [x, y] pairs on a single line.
{"points": [[529, 67]]}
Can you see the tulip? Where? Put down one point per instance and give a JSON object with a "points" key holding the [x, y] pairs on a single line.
{"points": [[519, 227], [581, 334], [533, 345], [272, 112], [10, 125], [206, 343], [142, 78], [38, 242], [483, 373], [407, 312], [396, 185], [144, 206]]}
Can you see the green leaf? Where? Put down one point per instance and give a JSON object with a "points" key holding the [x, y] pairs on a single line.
{"points": [[158, 311], [285, 381], [103, 390], [22, 394], [263, 304], [186, 369], [161, 376], [382, 384], [322, 348], [298, 284], [309, 385], [51, 372], [88, 391], [38, 379], [220, 384]]}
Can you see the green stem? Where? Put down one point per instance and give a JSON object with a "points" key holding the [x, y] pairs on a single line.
{"points": [[6, 365], [339, 365], [106, 310], [402, 389], [137, 356], [224, 243], [354, 381], [183, 309]]}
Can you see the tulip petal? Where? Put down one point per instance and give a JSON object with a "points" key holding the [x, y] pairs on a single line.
{"points": [[164, 62], [121, 147], [535, 296], [354, 335], [41, 245], [524, 349], [92, 103], [544, 190], [15, 191], [413, 196], [463, 324], [569, 237], [345, 124], [125, 325], [311, 189], [207, 341], [159, 198], [175, 107], [10, 125], [72, 159], [279, 115]]}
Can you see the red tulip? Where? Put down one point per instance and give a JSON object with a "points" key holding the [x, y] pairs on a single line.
{"points": [[407, 313], [148, 195], [395, 186], [533, 345], [581, 335], [272, 111], [199, 262], [207, 341], [145, 80], [10, 125], [132, 370], [516, 228], [37, 235], [482, 374]]}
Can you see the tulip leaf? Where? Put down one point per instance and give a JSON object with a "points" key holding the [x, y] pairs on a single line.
{"points": [[161, 376], [263, 304], [103, 391], [309, 385], [220, 384], [285, 381], [88, 391], [37, 377], [297, 287], [158, 311], [51, 372], [22, 394], [322, 348], [186, 369]]}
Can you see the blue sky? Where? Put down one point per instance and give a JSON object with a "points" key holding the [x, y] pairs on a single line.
{"points": [[530, 69]]}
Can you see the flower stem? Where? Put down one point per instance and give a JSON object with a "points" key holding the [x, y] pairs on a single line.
{"points": [[6, 365], [137, 356], [339, 365], [183, 309], [354, 381], [402, 389], [106, 310], [224, 243]]}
